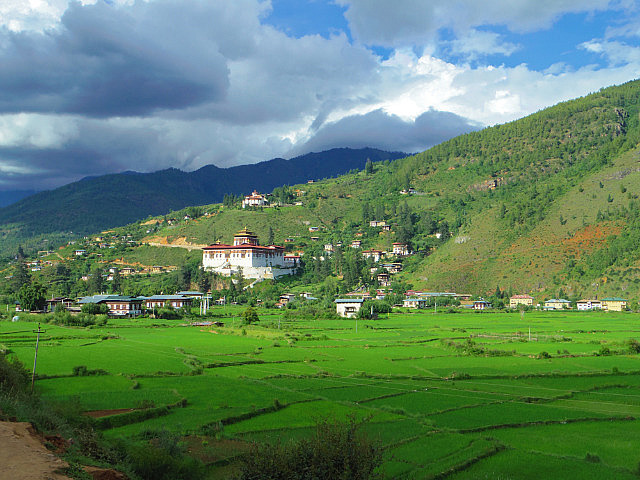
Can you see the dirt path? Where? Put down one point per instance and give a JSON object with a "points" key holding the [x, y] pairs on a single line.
{"points": [[24, 457]]}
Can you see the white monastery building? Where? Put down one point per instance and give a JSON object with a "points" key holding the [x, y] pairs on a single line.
{"points": [[248, 257], [254, 200]]}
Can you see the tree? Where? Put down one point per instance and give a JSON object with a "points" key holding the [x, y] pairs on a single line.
{"points": [[116, 282], [368, 167], [21, 277], [270, 239], [32, 296], [95, 283], [250, 316]]}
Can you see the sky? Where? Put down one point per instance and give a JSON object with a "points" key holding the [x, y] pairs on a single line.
{"points": [[103, 86]]}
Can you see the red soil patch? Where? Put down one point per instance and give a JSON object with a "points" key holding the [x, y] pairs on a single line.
{"points": [[106, 413]]}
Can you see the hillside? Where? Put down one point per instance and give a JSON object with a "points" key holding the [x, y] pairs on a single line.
{"points": [[546, 205], [108, 201]]}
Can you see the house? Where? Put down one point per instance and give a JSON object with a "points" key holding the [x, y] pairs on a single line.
{"points": [[383, 279], [254, 200], [328, 248], [53, 302], [292, 261], [589, 305], [481, 305], [127, 271], [377, 223], [557, 304], [386, 228], [314, 229], [348, 307], [375, 254], [156, 269], [400, 249], [356, 243], [173, 301], [248, 257], [119, 305], [392, 267], [614, 304], [190, 293], [288, 240], [79, 253], [525, 300], [286, 298], [414, 302]]}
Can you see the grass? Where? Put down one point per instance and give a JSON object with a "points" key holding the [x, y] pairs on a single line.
{"points": [[437, 409]]}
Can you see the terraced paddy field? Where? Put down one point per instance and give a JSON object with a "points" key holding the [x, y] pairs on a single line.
{"points": [[460, 396]]}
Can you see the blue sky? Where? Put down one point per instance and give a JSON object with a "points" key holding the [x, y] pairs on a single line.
{"points": [[92, 87]]}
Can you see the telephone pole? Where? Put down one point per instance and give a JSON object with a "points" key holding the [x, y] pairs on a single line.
{"points": [[35, 358]]}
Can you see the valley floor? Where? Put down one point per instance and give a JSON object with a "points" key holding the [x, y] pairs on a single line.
{"points": [[460, 396]]}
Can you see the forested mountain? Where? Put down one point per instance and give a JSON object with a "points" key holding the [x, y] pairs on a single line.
{"points": [[107, 201], [545, 204]]}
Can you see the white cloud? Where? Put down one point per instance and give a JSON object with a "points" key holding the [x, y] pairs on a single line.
{"points": [[394, 24]]}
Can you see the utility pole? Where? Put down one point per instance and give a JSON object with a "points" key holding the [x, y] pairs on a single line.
{"points": [[35, 358]]}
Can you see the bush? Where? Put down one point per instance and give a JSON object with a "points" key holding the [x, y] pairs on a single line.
{"points": [[95, 308], [335, 450], [250, 316], [375, 306], [14, 377], [168, 313]]}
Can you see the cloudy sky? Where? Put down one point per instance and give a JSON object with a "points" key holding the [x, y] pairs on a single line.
{"points": [[91, 87]]}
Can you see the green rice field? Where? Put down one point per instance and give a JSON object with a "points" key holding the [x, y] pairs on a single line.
{"points": [[455, 395]]}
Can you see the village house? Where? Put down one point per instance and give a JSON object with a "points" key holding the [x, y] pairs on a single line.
{"points": [[156, 269], [119, 305], [328, 248], [79, 253], [173, 301], [190, 293], [400, 249], [127, 271], [376, 255], [589, 305], [414, 302], [526, 300], [53, 302], [356, 243], [377, 223], [386, 228], [348, 307], [481, 305], [314, 229], [557, 304], [383, 279], [392, 267], [248, 257], [254, 200], [614, 304]]}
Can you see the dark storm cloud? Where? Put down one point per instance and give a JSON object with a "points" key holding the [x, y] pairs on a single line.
{"points": [[106, 61], [389, 132]]}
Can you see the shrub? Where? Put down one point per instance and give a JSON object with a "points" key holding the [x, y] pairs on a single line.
{"points": [[95, 308], [250, 316], [335, 450]]}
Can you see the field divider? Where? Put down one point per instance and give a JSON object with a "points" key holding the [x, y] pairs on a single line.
{"points": [[615, 418], [137, 416], [471, 461], [277, 406]]}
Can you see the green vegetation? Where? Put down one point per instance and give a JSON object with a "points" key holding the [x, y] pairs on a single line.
{"points": [[462, 395]]}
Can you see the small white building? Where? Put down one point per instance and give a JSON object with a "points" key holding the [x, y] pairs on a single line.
{"points": [[348, 307], [589, 305], [400, 249], [246, 256], [254, 200], [413, 302], [375, 254]]}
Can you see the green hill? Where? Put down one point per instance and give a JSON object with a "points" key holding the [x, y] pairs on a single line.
{"points": [[547, 204]]}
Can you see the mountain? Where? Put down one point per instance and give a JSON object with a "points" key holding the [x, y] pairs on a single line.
{"points": [[97, 203], [12, 196], [548, 205]]}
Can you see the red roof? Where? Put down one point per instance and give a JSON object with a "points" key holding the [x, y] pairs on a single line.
{"points": [[244, 246], [522, 296]]}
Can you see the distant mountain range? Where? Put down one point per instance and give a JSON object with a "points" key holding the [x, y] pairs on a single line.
{"points": [[97, 203], [13, 196]]}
